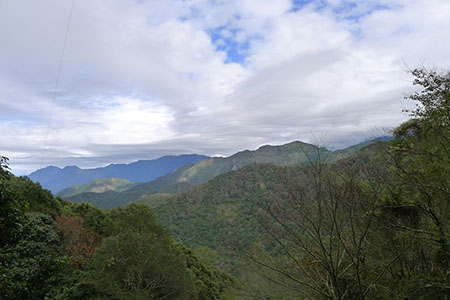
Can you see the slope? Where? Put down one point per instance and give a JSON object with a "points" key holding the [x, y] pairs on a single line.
{"points": [[221, 212], [98, 186], [291, 154]]}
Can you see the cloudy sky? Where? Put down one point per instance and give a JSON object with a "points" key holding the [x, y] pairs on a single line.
{"points": [[141, 79]]}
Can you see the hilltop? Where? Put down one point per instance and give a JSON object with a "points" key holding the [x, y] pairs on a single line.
{"points": [[98, 186]]}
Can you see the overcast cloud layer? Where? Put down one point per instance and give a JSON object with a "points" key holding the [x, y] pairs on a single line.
{"points": [[141, 79]]}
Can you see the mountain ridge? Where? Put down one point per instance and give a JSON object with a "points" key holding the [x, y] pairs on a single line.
{"points": [[195, 174], [56, 179]]}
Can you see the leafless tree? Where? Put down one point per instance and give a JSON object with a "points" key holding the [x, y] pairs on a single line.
{"points": [[323, 228]]}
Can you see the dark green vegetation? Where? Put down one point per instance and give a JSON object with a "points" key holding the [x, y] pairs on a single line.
{"points": [[53, 249], [98, 186], [191, 175], [370, 224], [56, 179]]}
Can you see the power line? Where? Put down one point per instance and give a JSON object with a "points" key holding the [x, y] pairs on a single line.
{"points": [[56, 87]]}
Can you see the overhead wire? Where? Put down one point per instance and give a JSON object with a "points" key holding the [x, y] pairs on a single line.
{"points": [[61, 59]]}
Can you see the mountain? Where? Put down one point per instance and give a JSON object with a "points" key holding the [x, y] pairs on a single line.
{"points": [[384, 138], [57, 179], [223, 209], [98, 186], [206, 213], [291, 154]]}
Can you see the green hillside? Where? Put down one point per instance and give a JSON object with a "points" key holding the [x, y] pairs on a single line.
{"points": [[295, 153], [223, 209], [98, 186], [183, 179]]}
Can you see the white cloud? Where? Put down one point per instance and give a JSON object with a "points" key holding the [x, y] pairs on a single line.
{"points": [[143, 78]]}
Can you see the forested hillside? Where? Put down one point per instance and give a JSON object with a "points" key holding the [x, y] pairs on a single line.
{"points": [[223, 210], [185, 178]]}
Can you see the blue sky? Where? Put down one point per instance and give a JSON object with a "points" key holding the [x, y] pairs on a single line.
{"points": [[347, 10], [141, 79], [236, 50]]}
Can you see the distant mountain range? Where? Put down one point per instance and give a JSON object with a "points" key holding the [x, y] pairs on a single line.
{"points": [[56, 179], [191, 175]]}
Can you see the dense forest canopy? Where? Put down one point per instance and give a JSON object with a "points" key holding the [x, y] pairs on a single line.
{"points": [[53, 249]]}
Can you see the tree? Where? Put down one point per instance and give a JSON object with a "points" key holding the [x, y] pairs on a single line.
{"points": [[421, 155], [329, 226], [33, 197], [415, 208], [30, 265], [322, 230], [78, 242], [139, 260], [11, 211]]}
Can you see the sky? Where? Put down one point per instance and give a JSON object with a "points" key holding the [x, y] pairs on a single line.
{"points": [[143, 79]]}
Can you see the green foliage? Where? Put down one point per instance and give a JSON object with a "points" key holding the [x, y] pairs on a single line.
{"points": [[30, 265], [136, 259], [261, 283], [222, 208], [11, 212], [33, 196], [415, 202], [210, 283], [433, 98], [94, 218], [155, 200], [139, 261], [133, 263]]}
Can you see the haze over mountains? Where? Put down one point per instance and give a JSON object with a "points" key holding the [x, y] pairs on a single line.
{"points": [[55, 179], [191, 175]]}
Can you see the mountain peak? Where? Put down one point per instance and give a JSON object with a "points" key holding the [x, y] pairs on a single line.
{"points": [[67, 168]]}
